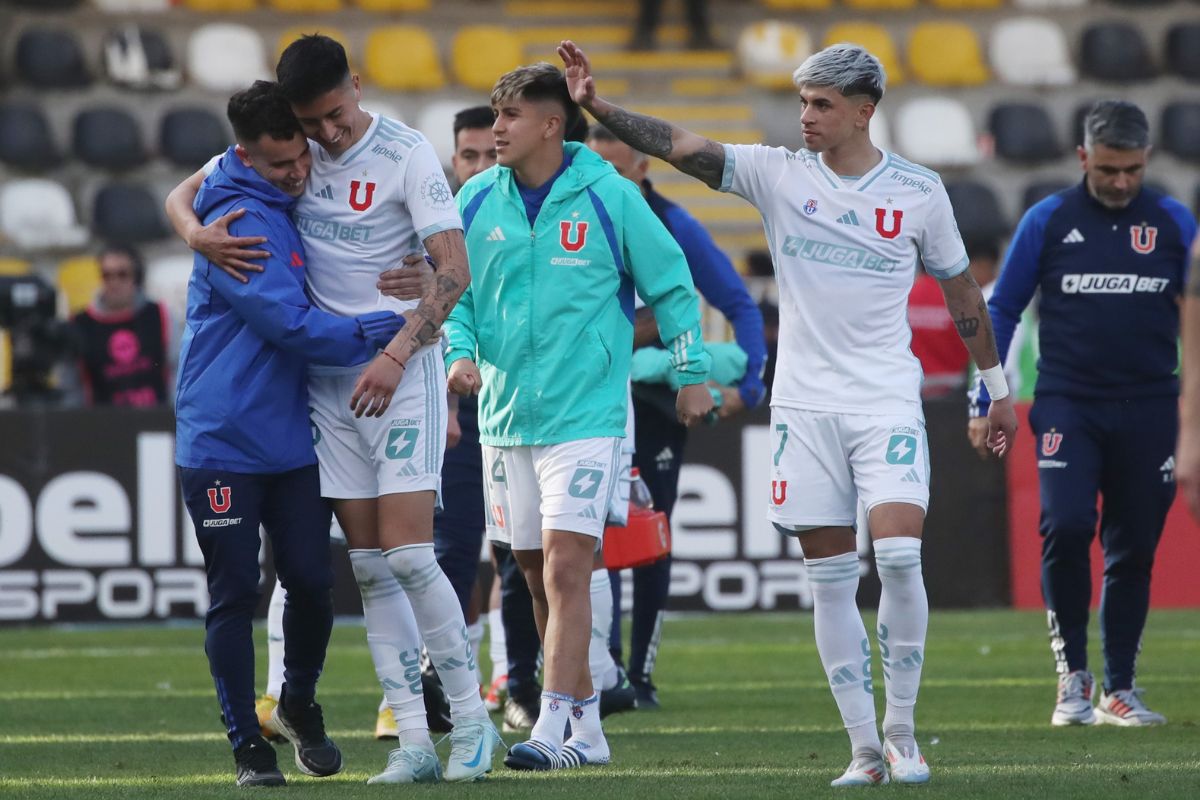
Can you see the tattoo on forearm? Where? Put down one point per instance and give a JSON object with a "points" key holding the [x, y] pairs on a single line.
{"points": [[708, 164], [449, 251], [968, 327], [648, 134]]}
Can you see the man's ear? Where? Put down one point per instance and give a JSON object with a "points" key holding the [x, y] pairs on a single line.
{"points": [[242, 155]]}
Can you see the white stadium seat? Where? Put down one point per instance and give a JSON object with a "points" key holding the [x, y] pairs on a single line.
{"points": [[1031, 51], [881, 130], [167, 282], [131, 6], [936, 132], [437, 123], [38, 214], [224, 57]]}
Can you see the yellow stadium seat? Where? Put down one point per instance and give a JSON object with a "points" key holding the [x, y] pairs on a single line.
{"points": [[798, 5], [881, 5], [392, 5], [482, 53], [305, 6], [876, 39], [78, 280], [403, 58], [12, 267], [946, 54], [769, 51], [221, 5], [292, 34], [963, 5], [5, 361]]}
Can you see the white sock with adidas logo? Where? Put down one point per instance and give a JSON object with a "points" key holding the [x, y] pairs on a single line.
{"points": [[600, 661], [843, 646], [903, 621]]}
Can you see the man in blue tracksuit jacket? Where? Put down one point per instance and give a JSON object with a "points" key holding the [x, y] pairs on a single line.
{"points": [[1109, 257], [659, 438], [244, 445]]}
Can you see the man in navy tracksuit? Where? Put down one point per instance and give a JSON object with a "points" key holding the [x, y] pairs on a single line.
{"points": [[1109, 257], [658, 437], [244, 444]]}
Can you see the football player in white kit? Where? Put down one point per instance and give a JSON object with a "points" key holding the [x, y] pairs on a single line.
{"points": [[846, 223], [378, 194]]}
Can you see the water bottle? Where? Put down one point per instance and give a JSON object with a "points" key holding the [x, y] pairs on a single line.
{"points": [[639, 492]]}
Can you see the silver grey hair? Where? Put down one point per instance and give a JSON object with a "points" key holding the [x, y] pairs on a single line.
{"points": [[1118, 124], [846, 67]]}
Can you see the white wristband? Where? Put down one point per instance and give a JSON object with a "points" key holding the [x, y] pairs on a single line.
{"points": [[997, 385]]}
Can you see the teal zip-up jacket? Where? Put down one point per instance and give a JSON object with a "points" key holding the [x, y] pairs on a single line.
{"points": [[548, 317]]}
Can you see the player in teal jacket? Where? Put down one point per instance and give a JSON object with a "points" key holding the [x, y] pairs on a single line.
{"points": [[548, 315], [557, 241]]}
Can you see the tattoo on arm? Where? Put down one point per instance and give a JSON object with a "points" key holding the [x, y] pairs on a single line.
{"points": [[960, 292], [449, 251], [967, 326], [707, 164], [656, 137]]}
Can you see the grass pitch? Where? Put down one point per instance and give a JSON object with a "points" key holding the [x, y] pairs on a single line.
{"points": [[130, 713]]}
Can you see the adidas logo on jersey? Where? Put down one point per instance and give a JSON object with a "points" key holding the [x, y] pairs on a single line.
{"points": [[911, 477], [1074, 237], [589, 513], [496, 235], [327, 192], [849, 218], [1168, 470]]}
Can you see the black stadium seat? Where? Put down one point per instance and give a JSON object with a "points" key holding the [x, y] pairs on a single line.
{"points": [[51, 59], [1023, 132], [1115, 51], [26, 141], [1040, 190], [108, 138], [189, 137], [139, 58], [1183, 50], [47, 5], [977, 210], [127, 213], [1181, 130]]}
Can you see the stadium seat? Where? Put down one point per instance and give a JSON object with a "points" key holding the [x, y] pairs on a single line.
{"points": [[51, 58], [881, 130], [1023, 132], [305, 6], [220, 6], [14, 267], [769, 51], [26, 141], [137, 58], [167, 282], [189, 137], [1183, 50], [47, 5], [966, 5], [1115, 51], [292, 34], [946, 54], [78, 280], [881, 5], [937, 132], [876, 39], [38, 214], [1181, 130], [108, 137], [482, 53], [386, 6], [797, 5], [977, 210], [124, 212], [226, 57], [1037, 191], [1049, 5], [403, 58], [436, 121], [1031, 51], [1077, 121], [132, 6]]}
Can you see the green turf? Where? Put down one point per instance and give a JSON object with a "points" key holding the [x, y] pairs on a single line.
{"points": [[130, 713]]}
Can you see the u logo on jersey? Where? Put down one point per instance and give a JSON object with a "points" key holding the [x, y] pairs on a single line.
{"points": [[572, 235], [222, 505], [1050, 443], [369, 195], [1142, 238], [888, 232], [778, 492]]}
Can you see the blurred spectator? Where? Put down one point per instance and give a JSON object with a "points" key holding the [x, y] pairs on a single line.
{"points": [[123, 340], [935, 340], [649, 14]]}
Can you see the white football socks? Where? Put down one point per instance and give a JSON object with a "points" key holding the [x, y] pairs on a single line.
{"points": [[394, 642], [275, 640], [586, 733], [843, 646], [552, 720], [475, 633], [497, 643], [600, 660], [440, 621], [903, 622]]}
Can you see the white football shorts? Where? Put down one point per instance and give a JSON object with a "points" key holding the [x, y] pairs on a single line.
{"points": [[397, 453], [824, 463], [562, 487]]}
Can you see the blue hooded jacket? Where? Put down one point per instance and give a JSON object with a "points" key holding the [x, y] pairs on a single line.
{"points": [[242, 394]]}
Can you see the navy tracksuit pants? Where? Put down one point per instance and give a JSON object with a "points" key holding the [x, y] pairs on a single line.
{"points": [[1123, 452], [227, 509], [660, 442]]}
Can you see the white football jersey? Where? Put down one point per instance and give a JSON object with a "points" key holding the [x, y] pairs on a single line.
{"points": [[845, 252], [365, 210]]}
